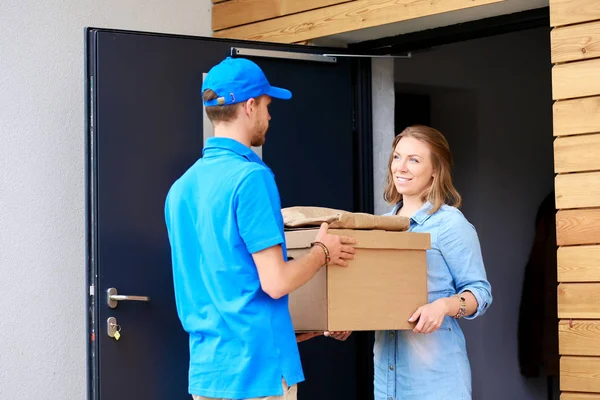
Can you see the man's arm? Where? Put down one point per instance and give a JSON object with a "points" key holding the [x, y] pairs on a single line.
{"points": [[278, 277]]}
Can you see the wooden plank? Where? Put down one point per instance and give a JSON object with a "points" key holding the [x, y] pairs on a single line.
{"points": [[579, 300], [579, 338], [579, 264], [577, 190], [577, 153], [578, 79], [242, 12], [579, 396], [354, 15], [578, 227], [573, 117], [577, 42], [580, 374], [565, 12]]}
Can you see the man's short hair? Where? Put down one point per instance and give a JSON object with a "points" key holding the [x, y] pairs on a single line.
{"points": [[225, 113]]}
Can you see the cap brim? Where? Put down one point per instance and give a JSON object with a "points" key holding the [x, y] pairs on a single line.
{"points": [[279, 93]]}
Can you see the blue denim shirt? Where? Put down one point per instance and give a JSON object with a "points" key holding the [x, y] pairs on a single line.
{"points": [[435, 366]]}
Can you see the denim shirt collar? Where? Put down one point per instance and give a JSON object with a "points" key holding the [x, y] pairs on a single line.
{"points": [[221, 143], [420, 216]]}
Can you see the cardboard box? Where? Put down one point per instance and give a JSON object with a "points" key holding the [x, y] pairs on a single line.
{"points": [[379, 290]]}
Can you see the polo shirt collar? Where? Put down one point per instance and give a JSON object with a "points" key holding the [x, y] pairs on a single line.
{"points": [[231, 145]]}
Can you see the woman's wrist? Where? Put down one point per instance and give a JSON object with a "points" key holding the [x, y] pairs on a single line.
{"points": [[451, 304]]}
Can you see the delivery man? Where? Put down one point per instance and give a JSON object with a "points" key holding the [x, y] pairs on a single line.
{"points": [[230, 269]]}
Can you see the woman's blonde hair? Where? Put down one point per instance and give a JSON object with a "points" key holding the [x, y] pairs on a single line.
{"points": [[442, 190]]}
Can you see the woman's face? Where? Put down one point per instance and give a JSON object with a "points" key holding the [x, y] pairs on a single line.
{"points": [[411, 167]]}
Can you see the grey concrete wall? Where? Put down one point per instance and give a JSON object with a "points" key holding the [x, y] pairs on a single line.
{"points": [[383, 125]]}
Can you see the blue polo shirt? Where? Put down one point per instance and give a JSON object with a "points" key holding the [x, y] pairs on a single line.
{"points": [[223, 209]]}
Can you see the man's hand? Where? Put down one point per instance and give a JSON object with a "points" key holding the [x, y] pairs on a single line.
{"points": [[301, 337], [340, 248], [339, 335]]}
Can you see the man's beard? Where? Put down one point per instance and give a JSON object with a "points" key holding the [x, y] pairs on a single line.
{"points": [[258, 137]]}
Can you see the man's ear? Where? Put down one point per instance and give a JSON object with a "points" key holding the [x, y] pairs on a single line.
{"points": [[250, 106]]}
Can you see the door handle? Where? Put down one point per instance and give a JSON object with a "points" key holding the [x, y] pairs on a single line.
{"points": [[113, 297]]}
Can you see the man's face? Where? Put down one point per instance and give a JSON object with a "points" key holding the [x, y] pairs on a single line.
{"points": [[260, 121]]}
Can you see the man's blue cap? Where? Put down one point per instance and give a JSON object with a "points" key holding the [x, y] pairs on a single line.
{"points": [[236, 80]]}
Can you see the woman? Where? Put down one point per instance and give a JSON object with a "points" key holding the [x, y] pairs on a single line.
{"points": [[430, 362]]}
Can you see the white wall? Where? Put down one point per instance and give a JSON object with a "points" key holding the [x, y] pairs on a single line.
{"points": [[42, 264], [492, 99]]}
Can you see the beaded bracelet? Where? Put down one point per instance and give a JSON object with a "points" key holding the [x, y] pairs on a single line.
{"points": [[325, 249]]}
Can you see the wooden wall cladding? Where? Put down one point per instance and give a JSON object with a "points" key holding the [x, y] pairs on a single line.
{"points": [[241, 12], [579, 300], [578, 227], [577, 153], [577, 190], [579, 396], [579, 337], [577, 42], [565, 12], [579, 79], [345, 17], [579, 264], [574, 117], [580, 374], [575, 51]]}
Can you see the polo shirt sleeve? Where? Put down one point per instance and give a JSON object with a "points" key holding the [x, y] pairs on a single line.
{"points": [[258, 211]]}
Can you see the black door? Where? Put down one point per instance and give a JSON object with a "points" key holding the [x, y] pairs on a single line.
{"points": [[145, 128]]}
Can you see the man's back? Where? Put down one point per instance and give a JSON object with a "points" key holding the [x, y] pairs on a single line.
{"points": [[223, 209]]}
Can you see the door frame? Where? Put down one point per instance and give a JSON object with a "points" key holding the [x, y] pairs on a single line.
{"points": [[363, 195], [414, 41]]}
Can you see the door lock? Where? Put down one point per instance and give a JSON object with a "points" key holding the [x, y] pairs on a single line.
{"points": [[113, 329]]}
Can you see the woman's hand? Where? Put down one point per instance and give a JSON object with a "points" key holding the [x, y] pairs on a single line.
{"points": [[301, 337], [339, 335], [430, 316]]}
